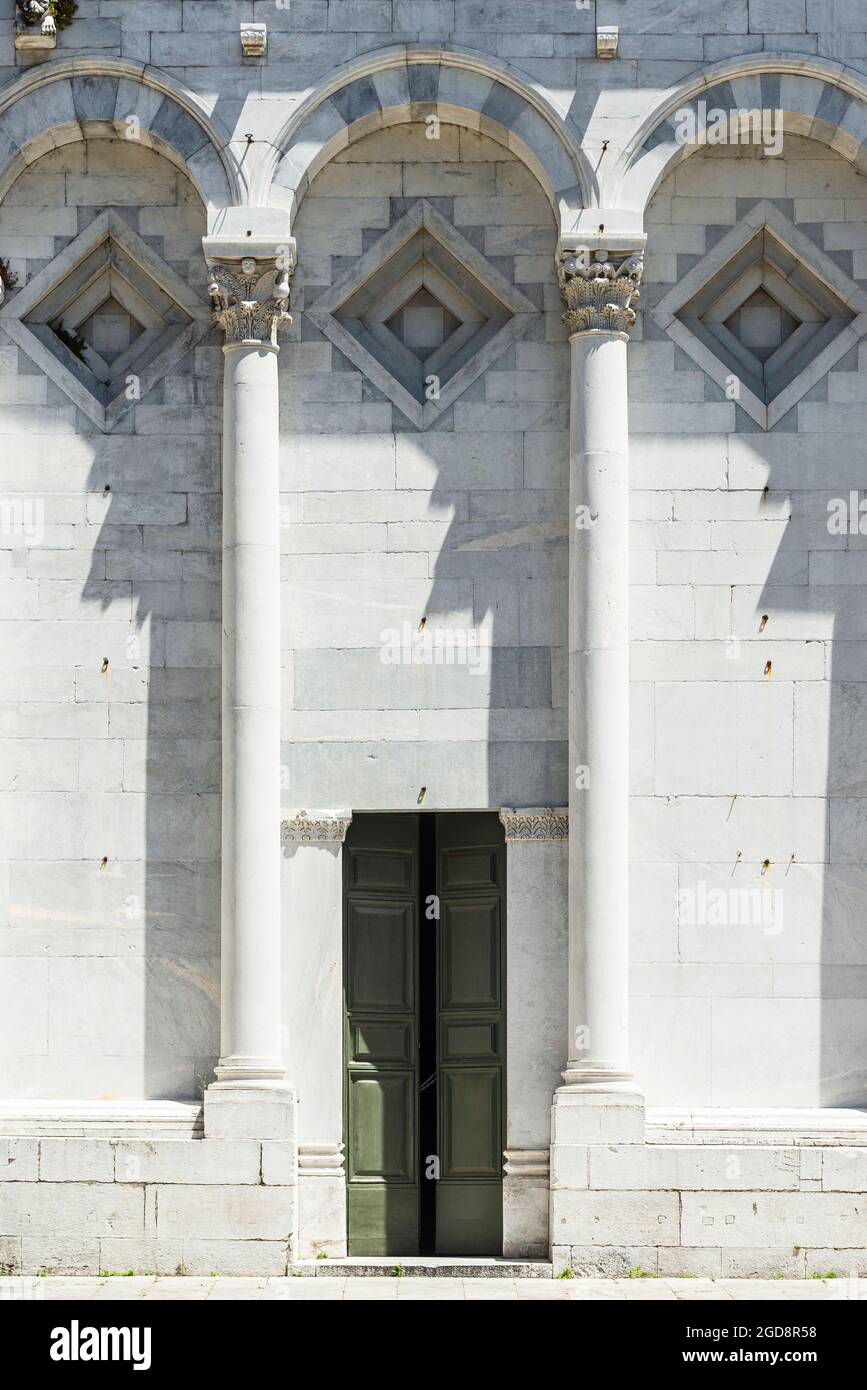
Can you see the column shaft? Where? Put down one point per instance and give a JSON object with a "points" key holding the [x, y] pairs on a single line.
{"points": [[598, 711], [250, 975]]}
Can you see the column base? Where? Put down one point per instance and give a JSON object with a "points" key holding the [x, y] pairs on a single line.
{"points": [[260, 1109], [588, 1119], [321, 1202], [250, 1071], [599, 1076], [599, 1112]]}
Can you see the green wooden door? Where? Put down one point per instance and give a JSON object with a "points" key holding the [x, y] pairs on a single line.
{"points": [[381, 1034], [471, 1033], [425, 1033]]}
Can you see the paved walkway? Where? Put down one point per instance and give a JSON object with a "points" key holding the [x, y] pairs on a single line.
{"points": [[149, 1288]]}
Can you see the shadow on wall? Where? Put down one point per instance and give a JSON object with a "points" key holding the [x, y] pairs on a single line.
{"points": [[803, 476], [155, 483], [440, 629]]}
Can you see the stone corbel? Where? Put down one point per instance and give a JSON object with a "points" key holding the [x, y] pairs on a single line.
{"points": [[254, 40]]}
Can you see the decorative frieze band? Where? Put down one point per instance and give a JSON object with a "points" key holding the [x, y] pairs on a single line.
{"points": [[250, 295], [535, 823], [304, 827], [598, 290]]}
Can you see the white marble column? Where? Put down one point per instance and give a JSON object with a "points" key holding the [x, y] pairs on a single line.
{"points": [[598, 290], [249, 286]]}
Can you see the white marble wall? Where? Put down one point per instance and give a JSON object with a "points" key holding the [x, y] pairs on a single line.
{"points": [[109, 693], [733, 566]]}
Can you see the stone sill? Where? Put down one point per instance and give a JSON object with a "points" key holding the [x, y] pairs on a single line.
{"points": [[158, 1119], [805, 1127]]}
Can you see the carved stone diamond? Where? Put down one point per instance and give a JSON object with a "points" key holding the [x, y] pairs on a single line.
{"points": [[422, 314], [106, 319], [766, 314]]}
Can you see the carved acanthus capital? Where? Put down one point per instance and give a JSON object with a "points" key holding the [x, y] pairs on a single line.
{"points": [[598, 292], [535, 823], [250, 295]]}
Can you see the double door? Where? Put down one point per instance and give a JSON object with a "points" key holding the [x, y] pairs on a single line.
{"points": [[424, 1032]]}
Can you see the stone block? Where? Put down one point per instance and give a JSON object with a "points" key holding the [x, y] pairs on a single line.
{"points": [[681, 1262], [55, 1253], [758, 1263], [321, 1216], [668, 1166], [611, 1262], [586, 1117], [615, 1218], [846, 1264], [279, 1163], [764, 1220], [10, 1256], [569, 1165], [844, 1170], [525, 1218], [236, 1257], [187, 1161], [19, 1161], [255, 1113], [119, 1255], [69, 1209], [223, 1212], [76, 1160]]}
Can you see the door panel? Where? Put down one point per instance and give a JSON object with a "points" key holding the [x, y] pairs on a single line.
{"points": [[380, 1126], [471, 1122], [380, 974], [425, 1032], [470, 953], [381, 1044], [472, 1041]]}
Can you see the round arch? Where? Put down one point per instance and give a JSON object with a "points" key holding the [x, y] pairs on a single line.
{"points": [[406, 83], [81, 98], [818, 99]]}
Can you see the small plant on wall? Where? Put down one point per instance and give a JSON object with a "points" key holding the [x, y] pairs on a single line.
{"points": [[63, 12]]}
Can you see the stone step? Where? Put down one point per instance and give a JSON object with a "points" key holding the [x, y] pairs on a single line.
{"points": [[426, 1267]]}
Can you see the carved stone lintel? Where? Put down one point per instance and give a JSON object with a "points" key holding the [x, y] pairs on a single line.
{"points": [[250, 295], [254, 40], [598, 292], [535, 823], [302, 827]]}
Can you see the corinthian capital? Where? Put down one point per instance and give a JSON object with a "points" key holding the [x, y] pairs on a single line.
{"points": [[250, 294], [599, 289]]}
